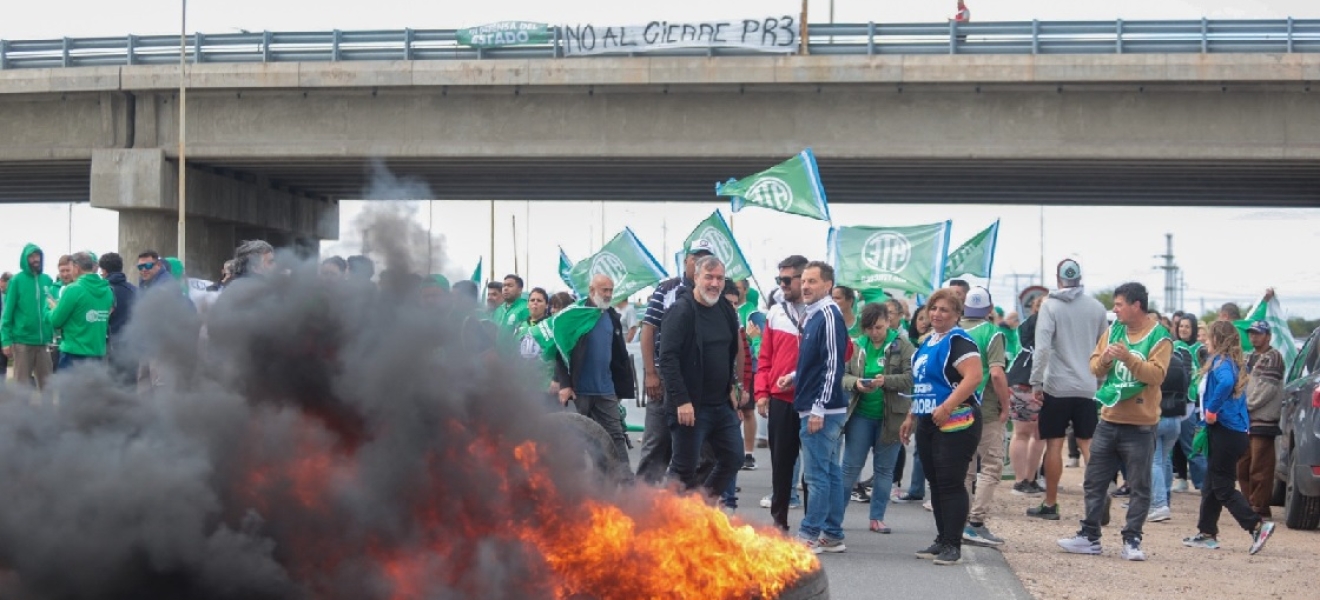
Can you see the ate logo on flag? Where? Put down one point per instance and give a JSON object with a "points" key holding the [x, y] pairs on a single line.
{"points": [[719, 243], [610, 266], [770, 192], [887, 252]]}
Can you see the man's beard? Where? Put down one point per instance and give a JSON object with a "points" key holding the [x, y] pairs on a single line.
{"points": [[709, 299], [601, 301]]}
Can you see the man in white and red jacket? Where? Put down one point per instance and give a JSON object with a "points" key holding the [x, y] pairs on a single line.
{"points": [[778, 359]]}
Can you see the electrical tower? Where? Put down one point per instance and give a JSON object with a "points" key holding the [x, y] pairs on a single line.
{"points": [[1172, 277]]}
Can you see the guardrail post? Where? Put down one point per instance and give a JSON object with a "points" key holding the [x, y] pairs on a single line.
{"points": [[128, 49], [64, 52], [334, 47], [197, 48], [1205, 35], [1290, 35], [4, 49], [953, 37], [265, 46], [870, 38], [558, 49], [1118, 36], [1035, 36], [407, 43]]}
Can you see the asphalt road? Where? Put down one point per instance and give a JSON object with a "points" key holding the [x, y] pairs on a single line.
{"points": [[877, 565]]}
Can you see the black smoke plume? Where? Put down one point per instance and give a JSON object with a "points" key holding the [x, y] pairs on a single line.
{"points": [[318, 440]]}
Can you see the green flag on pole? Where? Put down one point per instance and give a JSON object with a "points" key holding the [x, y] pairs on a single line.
{"points": [[1281, 338], [894, 258], [976, 257], [565, 268], [625, 260], [716, 231], [792, 186], [561, 332], [476, 274]]}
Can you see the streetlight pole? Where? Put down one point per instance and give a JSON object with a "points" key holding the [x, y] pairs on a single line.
{"points": [[183, 134]]}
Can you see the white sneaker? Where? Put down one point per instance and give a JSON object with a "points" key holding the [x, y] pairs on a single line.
{"points": [[765, 501], [1079, 544], [1159, 515], [1132, 550], [926, 505], [1073, 463], [1180, 486]]}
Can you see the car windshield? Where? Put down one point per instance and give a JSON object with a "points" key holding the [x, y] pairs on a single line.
{"points": [[1308, 360]]}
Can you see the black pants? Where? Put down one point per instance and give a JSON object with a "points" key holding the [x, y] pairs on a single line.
{"points": [[945, 458], [785, 444], [898, 466], [1220, 491], [718, 426]]}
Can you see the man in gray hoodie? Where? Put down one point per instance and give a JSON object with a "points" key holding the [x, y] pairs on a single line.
{"points": [[1068, 326]]}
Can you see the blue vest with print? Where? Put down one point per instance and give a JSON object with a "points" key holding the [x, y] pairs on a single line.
{"points": [[930, 386]]}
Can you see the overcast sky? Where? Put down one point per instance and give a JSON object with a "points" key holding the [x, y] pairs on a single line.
{"points": [[1227, 254]]}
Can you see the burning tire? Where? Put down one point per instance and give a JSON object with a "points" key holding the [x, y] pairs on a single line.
{"points": [[811, 586], [595, 442]]}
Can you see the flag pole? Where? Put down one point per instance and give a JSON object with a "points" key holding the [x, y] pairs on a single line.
{"points": [[491, 268], [513, 228], [182, 251]]}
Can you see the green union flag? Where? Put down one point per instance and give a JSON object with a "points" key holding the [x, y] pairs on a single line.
{"points": [[561, 332], [716, 231], [893, 258], [565, 268], [792, 186], [625, 260], [976, 257]]}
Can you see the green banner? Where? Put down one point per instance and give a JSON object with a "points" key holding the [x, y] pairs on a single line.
{"points": [[792, 186], [625, 261], [505, 33], [894, 258], [976, 257], [565, 268], [716, 231]]}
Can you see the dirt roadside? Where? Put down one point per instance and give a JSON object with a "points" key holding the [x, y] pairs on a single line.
{"points": [[1284, 570]]}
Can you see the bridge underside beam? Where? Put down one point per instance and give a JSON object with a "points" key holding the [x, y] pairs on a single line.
{"points": [[143, 186]]}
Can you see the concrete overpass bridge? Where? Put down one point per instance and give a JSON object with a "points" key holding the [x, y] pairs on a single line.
{"points": [[1000, 117]]}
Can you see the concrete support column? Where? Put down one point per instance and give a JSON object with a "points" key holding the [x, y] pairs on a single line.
{"points": [[142, 185]]}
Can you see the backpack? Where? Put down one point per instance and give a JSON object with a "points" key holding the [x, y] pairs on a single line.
{"points": [[1173, 391]]}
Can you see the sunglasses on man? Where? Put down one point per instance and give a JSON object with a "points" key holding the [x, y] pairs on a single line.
{"points": [[787, 280], [146, 266]]}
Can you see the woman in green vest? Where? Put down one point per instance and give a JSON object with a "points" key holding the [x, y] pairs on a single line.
{"points": [[879, 377], [538, 308], [1189, 335], [846, 298]]}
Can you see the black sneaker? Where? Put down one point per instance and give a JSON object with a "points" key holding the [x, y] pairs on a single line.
{"points": [[1123, 491], [951, 555], [1026, 488], [933, 551], [1036, 487], [859, 495], [749, 462], [1049, 513]]}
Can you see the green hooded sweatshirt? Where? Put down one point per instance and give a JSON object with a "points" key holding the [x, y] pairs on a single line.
{"points": [[83, 312], [23, 320]]}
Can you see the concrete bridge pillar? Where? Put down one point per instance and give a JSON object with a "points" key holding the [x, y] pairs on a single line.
{"points": [[142, 185]]}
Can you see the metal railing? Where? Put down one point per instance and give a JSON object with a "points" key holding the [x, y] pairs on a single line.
{"points": [[1024, 37]]}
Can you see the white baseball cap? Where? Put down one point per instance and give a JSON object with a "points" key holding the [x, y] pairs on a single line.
{"points": [[978, 304]]}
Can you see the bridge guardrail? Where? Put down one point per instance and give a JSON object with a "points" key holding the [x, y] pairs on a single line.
{"points": [[1279, 36]]}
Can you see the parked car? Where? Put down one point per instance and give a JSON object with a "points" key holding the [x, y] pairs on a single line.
{"points": [[1298, 449]]}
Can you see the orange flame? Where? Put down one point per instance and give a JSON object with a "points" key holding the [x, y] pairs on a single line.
{"points": [[674, 547]]}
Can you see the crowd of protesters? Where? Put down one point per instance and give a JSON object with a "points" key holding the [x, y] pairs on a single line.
{"points": [[838, 377]]}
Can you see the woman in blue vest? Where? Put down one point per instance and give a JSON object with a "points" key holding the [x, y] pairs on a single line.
{"points": [[946, 418]]}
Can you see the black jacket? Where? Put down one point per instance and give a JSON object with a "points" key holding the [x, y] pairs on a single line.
{"points": [[125, 294], [681, 356], [621, 370]]}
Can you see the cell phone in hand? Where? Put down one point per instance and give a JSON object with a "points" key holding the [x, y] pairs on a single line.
{"points": [[866, 382]]}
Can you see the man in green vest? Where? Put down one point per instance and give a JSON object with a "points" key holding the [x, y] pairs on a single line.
{"points": [[1131, 358], [995, 396], [513, 311], [83, 313]]}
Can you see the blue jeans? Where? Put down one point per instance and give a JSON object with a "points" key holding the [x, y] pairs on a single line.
{"points": [[68, 360], [827, 497], [862, 435], [917, 487], [1195, 464], [1161, 479], [717, 425]]}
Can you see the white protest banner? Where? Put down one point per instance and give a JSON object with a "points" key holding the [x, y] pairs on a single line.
{"points": [[771, 34]]}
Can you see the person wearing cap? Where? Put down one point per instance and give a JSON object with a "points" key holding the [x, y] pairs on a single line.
{"points": [[1255, 470], [991, 343], [774, 389], [657, 447], [1067, 326]]}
